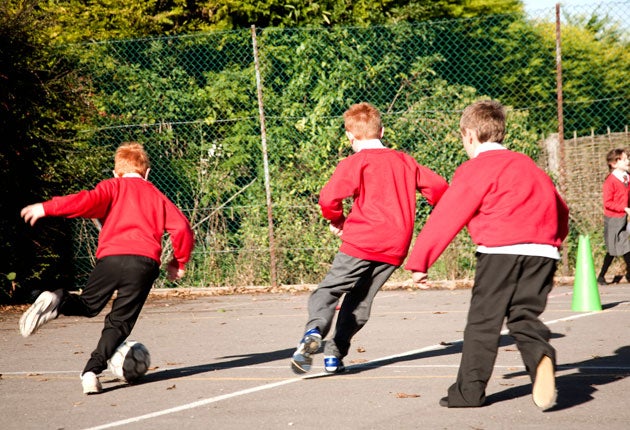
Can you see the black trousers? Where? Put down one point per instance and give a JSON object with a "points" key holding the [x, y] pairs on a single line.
{"points": [[132, 276], [512, 287]]}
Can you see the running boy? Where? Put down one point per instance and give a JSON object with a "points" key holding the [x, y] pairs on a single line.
{"points": [[616, 210], [375, 234], [518, 220], [134, 215]]}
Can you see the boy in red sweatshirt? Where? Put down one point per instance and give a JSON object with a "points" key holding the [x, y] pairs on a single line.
{"points": [[518, 220], [134, 215], [375, 234]]}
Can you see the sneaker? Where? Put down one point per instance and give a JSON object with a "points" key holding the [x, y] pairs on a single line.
{"points": [[310, 343], [601, 280], [43, 310], [91, 384], [333, 364], [544, 390], [444, 402]]}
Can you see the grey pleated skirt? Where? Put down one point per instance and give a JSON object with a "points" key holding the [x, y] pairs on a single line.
{"points": [[616, 236]]}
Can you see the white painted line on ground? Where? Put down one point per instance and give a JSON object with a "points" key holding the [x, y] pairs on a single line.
{"points": [[211, 400], [43, 372]]}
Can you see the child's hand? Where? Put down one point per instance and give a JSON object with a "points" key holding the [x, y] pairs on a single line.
{"points": [[32, 213], [173, 271], [336, 230], [421, 280]]}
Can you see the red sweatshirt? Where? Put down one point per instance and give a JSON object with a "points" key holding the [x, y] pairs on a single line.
{"points": [[134, 215], [383, 183], [504, 198], [615, 195]]}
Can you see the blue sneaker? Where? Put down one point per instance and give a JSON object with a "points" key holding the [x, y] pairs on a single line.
{"points": [[333, 364], [310, 343]]}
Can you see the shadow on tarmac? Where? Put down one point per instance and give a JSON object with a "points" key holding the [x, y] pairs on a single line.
{"points": [[238, 361], [576, 388], [573, 389]]}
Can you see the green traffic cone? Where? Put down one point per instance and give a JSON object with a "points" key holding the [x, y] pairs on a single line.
{"points": [[585, 290]]}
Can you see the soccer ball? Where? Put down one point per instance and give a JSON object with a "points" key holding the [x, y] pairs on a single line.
{"points": [[130, 361]]}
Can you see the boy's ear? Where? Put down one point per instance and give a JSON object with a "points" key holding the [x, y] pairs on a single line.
{"points": [[469, 135]]}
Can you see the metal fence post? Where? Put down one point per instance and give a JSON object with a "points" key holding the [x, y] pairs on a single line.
{"points": [[263, 136], [561, 161]]}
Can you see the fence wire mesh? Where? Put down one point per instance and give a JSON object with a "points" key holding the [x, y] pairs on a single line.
{"points": [[192, 101]]}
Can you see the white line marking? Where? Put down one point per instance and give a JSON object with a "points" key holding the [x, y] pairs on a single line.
{"points": [[292, 380]]}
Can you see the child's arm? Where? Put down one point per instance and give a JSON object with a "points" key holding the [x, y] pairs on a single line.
{"points": [[337, 231], [182, 239], [173, 270], [421, 280], [32, 213]]}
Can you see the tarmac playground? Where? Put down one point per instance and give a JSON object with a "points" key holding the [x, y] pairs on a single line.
{"points": [[222, 362]]}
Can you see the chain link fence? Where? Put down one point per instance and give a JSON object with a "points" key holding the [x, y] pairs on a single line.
{"points": [[247, 170]]}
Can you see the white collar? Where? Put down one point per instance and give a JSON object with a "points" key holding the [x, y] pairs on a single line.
{"points": [[488, 146], [359, 145], [132, 175], [620, 174]]}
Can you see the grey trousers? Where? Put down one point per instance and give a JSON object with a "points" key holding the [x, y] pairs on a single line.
{"points": [[359, 280]]}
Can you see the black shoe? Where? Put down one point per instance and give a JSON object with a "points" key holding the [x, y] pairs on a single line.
{"points": [[601, 280], [444, 402]]}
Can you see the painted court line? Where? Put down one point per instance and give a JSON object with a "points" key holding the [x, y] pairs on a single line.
{"points": [[216, 399]]}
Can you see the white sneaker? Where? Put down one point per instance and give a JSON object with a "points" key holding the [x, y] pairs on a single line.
{"points": [[43, 310], [91, 384], [301, 360]]}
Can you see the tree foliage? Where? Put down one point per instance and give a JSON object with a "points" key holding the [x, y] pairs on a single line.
{"points": [[77, 20], [81, 77], [41, 109]]}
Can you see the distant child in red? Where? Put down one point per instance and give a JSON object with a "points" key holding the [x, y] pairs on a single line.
{"points": [[616, 210], [375, 233], [134, 215], [518, 220]]}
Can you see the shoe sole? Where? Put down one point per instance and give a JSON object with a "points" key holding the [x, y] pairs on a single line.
{"points": [[90, 391], [312, 344], [544, 390], [300, 367], [37, 314], [301, 361]]}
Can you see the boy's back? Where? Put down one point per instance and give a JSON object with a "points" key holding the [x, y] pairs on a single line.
{"points": [[383, 183], [134, 215], [518, 202], [503, 198]]}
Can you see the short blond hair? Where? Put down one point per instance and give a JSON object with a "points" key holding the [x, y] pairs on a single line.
{"points": [[364, 121], [131, 157], [486, 118]]}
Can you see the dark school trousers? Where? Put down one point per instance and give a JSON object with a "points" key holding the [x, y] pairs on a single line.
{"points": [[132, 276], [512, 287], [359, 280]]}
